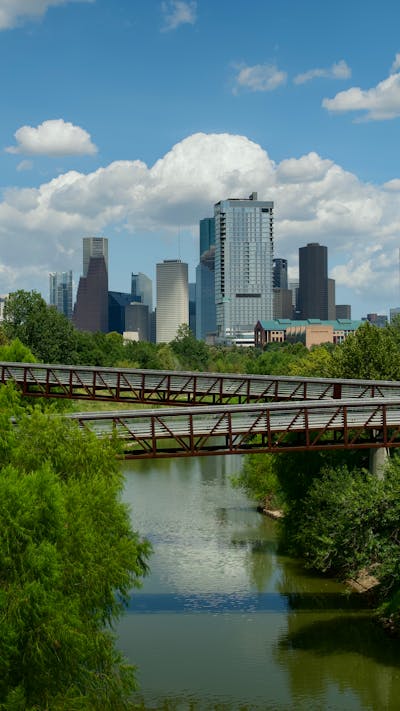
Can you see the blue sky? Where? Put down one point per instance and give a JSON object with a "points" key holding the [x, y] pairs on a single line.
{"points": [[129, 119]]}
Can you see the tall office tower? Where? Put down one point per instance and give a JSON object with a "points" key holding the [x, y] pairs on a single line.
{"points": [[294, 288], [142, 289], [343, 311], [313, 288], [94, 247], [205, 280], [172, 298], [61, 292], [280, 274], [331, 300], [283, 307], [91, 306], [243, 266], [137, 321], [192, 307]]}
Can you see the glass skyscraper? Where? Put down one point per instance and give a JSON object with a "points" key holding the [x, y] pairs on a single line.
{"points": [[61, 292], [172, 298], [244, 244], [205, 280]]}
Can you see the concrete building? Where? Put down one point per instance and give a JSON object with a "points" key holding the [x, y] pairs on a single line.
{"points": [[283, 307], [137, 322], [313, 282], [343, 311], [117, 303], [243, 267], [60, 288], [331, 299], [172, 299]]}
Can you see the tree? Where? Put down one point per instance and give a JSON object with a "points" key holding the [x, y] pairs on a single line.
{"points": [[49, 334], [192, 354], [68, 560], [369, 353]]}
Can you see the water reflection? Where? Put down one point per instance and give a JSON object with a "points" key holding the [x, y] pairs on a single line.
{"points": [[226, 622]]}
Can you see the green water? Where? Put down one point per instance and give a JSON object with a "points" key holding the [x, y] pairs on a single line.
{"points": [[225, 622]]}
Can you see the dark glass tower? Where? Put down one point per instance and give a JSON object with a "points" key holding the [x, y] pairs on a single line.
{"points": [[280, 274], [313, 287]]}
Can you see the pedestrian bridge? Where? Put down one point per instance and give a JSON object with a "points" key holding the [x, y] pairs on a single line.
{"points": [[156, 387], [368, 423], [220, 413]]}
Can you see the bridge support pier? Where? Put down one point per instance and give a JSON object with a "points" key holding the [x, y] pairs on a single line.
{"points": [[377, 461]]}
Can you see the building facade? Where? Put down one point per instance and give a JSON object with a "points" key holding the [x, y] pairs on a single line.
{"points": [[313, 282], [205, 281], [243, 266], [280, 275], [91, 306], [311, 331], [94, 247], [172, 299], [142, 289], [60, 288]]}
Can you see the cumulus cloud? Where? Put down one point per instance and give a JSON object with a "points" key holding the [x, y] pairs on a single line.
{"points": [[379, 103], [55, 137], [14, 12], [396, 64], [315, 200], [338, 70], [260, 77], [178, 12]]}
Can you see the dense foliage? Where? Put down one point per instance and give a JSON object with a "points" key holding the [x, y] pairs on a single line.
{"points": [[68, 560]]}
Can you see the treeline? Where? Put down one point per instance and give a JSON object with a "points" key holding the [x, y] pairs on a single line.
{"points": [[338, 517], [371, 353]]}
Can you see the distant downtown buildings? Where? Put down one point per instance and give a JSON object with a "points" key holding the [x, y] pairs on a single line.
{"points": [[238, 284]]}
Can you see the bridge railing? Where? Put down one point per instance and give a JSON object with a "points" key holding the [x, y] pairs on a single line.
{"points": [[238, 429], [181, 388]]}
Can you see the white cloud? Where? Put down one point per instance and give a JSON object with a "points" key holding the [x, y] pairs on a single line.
{"points": [[178, 12], [380, 102], [396, 64], [24, 165], [338, 70], [14, 12], [315, 200], [260, 77], [55, 137]]}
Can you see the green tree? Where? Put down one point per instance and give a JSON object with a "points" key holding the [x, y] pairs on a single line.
{"points": [[192, 354], [68, 561], [369, 353], [49, 334], [316, 363]]}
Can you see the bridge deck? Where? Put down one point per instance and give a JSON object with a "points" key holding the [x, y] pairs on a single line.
{"points": [[180, 388], [272, 427]]}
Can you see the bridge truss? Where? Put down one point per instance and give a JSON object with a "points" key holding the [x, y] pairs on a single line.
{"points": [[238, 429], [160, 388]]}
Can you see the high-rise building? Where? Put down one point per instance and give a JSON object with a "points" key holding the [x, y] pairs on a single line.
{"points": [[280, 274], [243, 266], [331, 300], [294, 288], [61, 292], [283, 307], [313, 287], [172, 299], [137, 321], [205, 280], [91, 306], [343, 311], [142, 289], [94, 247]]}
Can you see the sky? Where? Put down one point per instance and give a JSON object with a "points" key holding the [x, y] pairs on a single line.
{"points": [[130, 118]]}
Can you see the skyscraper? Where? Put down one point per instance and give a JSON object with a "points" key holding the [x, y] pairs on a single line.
{"points": [[280, 274], [142, 289], [91, 306], [172, 298], [61, 292], [313, 287], [94, 247], [243, 265], [205, 280]]}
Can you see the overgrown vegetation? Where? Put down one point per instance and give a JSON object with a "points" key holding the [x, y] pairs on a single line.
{"points": [[68, 561]]}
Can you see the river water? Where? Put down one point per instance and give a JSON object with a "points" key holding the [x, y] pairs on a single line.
{"points": [[225, 622]]}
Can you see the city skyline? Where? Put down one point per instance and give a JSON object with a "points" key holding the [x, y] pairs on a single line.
{"points": [[304, 114]]}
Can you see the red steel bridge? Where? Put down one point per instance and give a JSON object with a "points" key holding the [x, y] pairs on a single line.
{"points": [[156, 387], [274, 414]]}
